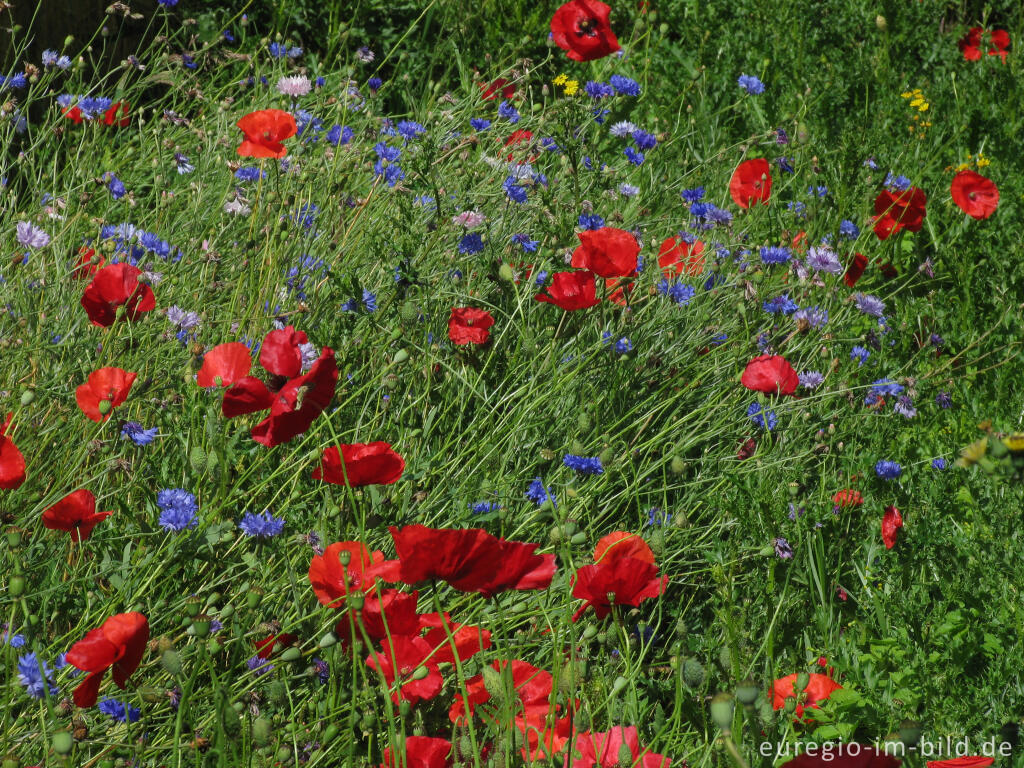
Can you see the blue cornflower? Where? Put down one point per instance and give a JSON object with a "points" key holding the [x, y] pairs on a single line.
{"points": [[597, 91], [479, 123], [886, 387], [680, 293], [900, 183], [904, 406], [538, 494], [369, 301], [623, 346], [524, 241], [49, 58], [784, 165], [860, 354], [775, 254], [471, 243], [943, 400], [249, 173], [634, 157], [781, 137], [263, 525], [824, 259], [817, 191], [628, 190], [849, 230], [810, 379], [115, 185], [780, 304], [350, 305], [870, 305], [583, 464], [655, 516], [339, 134], [590, 221], [888, 470], [323, 671], [138, 434], [644, 141], [258, 666], [509, 112], [178, 509], [783, 549], [750, 84], [694, 195], [14, 81], [798, 208], [94, 106], [35, 676], [513, 191], [815, 317], [410, 129], [374, 84], [939, 463], [762, 418], [120, 711], [624, 85], [481, 507], [386, 152], [182, 164]]}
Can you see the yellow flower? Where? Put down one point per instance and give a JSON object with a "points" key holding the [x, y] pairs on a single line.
{"points": [[906, 94], [560, 80], [571, 86], [961, 167], [923, 107]]}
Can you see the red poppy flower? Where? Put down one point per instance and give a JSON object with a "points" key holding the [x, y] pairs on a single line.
{"points": [[967, 761], [110, 385], [225, 365], [621, 544], [771, 374], [110, 116], [390, 612], [855, 270], [844, 756], [619, 581], [470, 560], [892, 521], [403, 659], [970, 44], [899, 210], [608, 252], [89, 263], [359, 464], [344, 567], [75, 513], [12, 463], [421, 752], [678, 257], [747, 449], [74, 114], [468, 640], [571, 291], [299, 402], [499, 86], [974, 194], [819, 688], [848, 498], [751, 182], [581, 29], [618, 290], [117, 285], [118, 644], [469, 325], [280, 352], [266, 647], [605, 750], [264, 131]]}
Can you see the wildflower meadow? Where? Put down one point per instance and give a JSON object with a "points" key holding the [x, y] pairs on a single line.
{"points": [[437, 384]]}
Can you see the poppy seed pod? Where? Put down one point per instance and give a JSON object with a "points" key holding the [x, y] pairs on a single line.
{"points": [[722, 708], [747, 692], [171, 661], [62, 742]]}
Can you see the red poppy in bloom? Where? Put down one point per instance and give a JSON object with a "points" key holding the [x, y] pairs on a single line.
{"points": [[421, 752], [892, 521], [967, 761], [608, 252], [619, 581], [225, 365], [265, 647], [264, 131], [74, 114], [294, 408], [12, 463], [469, 325], [819, 688], [118, 644], [468, 640], [470, 560], [280, 352], [571, 291], [751, 183], [360, 464], [970, 44], [110, 116], [618, 290], [117, 285], [844, 756], [89, 263], [344, 567], [899, 210], [974, 194], [771, 374], [605, 750], [621, 544], [500, 86], [391, 613], [75, 513], [848, 498], [678, 257], [404, 659], [106, 385], [581, 29], [855, 270]]}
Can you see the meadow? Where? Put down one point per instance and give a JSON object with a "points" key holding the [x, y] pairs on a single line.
{"points": [[447, 384]]}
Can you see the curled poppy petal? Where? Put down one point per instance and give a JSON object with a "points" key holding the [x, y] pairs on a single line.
{"points": [[771, 374], [113, 287], [75, 513], [360, 464]]}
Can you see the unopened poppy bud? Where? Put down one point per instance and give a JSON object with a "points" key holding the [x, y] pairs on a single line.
{"points": [[171, 661], [590, 632], [16, 586], [261, 730], [556, 535], [494, 683], [252, 598], [803, 679], [658, 542], [197, 459], [329, 733], [328, 640], [506, 273], [105, 407], [400, 357], [721, 711], [62, 742], [747, 692], [677, 466], [356, 601], [27, 397], [625, 756], [693, 673], [291, 654], [213, 646], [619, 684], [420, 672], [578, 538], [284, 754]]}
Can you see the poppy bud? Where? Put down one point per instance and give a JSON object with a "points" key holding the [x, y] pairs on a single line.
{"points": [[276, 692], [284, 754], [506, 273], [619, 684], [329, 733], [556, 536], [765, 711], [494, 683], [151, 695], [261, 729], [62, 743], [328, 640], [590, 632], [404, 708], [252, 598], [678, 466], [171, 662], [27, 397], [803, 679], [16, 586], [400, 357], [578, 538], [881, 23], [747, 692], [693, 673], [721, 711], [104, 407], [213, 646], [291, 654], [420, 672], [197, 459], [725, 658], [625, 756]]}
